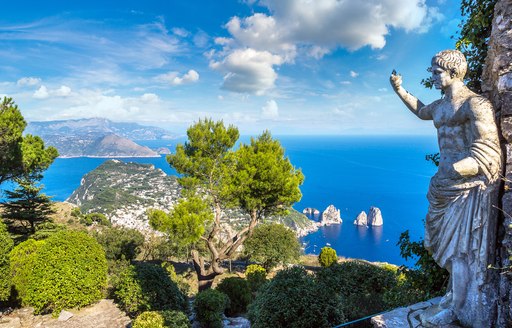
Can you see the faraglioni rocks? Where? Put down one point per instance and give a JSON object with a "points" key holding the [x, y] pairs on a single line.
{"points": [[310, 211], [331, 215], [375, 217], [362, 219]]}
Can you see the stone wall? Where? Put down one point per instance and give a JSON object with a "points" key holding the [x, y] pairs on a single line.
{"points": [[497, 86]]}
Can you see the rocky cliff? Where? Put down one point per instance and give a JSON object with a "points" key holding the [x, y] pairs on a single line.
{"points": [[124, 191], [375, 217], [331, 215], [362, 219]]}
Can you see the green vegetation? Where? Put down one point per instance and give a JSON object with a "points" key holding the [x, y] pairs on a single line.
{"points": [[361, 285], [147, 287], [256, 276], [271, 245], [120, 243], [327, 257], [161, 319], [209, 306], [6, 244], [27, 205], [294, 299], [239, 294], [20, 155], [66, 270], [256, 178]]}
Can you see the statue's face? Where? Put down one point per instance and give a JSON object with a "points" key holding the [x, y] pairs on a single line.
{"points": [[441, 77]]}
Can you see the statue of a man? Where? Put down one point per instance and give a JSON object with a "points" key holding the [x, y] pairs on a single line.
{"points": [[459, 228]]}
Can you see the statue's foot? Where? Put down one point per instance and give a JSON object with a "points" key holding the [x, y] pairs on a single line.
{"points": [[446, 300], [436, 316]]}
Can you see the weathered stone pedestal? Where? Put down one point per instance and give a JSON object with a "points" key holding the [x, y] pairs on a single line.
{"points": [[407, 317]]}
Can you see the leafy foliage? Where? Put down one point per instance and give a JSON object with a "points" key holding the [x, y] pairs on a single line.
{"points": [[92, 218], [209, 306], [239, 293], [27, 205], [295, 299], [161, 319], [22, 262], [361, 285], [69, 270], [6, 244], [327, 257], [185, 223], [120, 243], [20, 155], [272, 244], [256, 276], [147, 287]]}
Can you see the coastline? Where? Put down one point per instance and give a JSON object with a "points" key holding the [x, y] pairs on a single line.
{"points": [[123, 156]]}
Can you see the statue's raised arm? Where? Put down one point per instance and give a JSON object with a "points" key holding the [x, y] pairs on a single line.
{"points": [[413, 103]]}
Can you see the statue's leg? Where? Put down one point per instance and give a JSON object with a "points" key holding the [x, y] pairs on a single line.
{"points": [[460, 283]]}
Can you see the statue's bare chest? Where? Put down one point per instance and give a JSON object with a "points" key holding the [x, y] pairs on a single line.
{"points": [[449, 114]]}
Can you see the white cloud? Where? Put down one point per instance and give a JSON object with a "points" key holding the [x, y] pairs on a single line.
{"points": [[173, 78], [354, 74], [29, 81], [270, 110], [383, 89], [41, 93], [248, 70], [150, 98], [201, 39], [63, 91], [181, 32], [345, 82]]}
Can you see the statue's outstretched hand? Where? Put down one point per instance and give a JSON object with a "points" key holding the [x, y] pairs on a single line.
{"points": [[395, 80]]}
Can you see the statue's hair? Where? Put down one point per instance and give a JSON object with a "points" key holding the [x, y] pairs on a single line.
{"points": [[452, 60]]}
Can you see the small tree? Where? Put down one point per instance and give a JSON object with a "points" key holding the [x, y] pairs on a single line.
{"points": [[327, 257], [27, 205], [257, 178], [271, 245], [20, 155], [6, 244]]}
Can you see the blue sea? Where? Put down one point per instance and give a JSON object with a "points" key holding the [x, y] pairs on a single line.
{"points": [[351, 173]]}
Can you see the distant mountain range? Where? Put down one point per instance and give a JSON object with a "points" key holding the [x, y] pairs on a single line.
{"points": [[97, 137]]}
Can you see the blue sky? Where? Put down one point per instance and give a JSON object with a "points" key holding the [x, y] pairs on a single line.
{"points": [[290, 66]]}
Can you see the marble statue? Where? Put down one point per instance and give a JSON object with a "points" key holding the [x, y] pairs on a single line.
{"points": [[460, 228]]}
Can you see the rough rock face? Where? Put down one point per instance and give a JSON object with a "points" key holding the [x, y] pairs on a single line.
{"points": [[311, 211], [375, 217], [497, 86], [331, 215], [362, 219]]}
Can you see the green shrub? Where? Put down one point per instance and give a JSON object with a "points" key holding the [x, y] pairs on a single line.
{"points": [[161, 319], [209, 306], [182, 283], [175, 319], [295, 299], [120, 243], [6, 244], [147, 287], [46, 229], [239, 293], [69, 270], [361, 285], [256, 276], [22, 259], [271, 245], [327, 257], [89, 219], [149, 319]]}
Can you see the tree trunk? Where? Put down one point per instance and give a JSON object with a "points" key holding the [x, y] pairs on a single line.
{"points": [[497, 86]]}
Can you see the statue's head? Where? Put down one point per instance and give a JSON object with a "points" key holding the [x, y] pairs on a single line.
{"points": [[452, 61]]}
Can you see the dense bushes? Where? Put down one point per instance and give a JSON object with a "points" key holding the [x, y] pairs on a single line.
{"points": [[209, 306], [239, 294], [6, 244], [295, 299], [162, 319], [256, 276], [271, 245], [120, 243], [147, 287], [361, 285], [66, 270], [327, 257]]}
